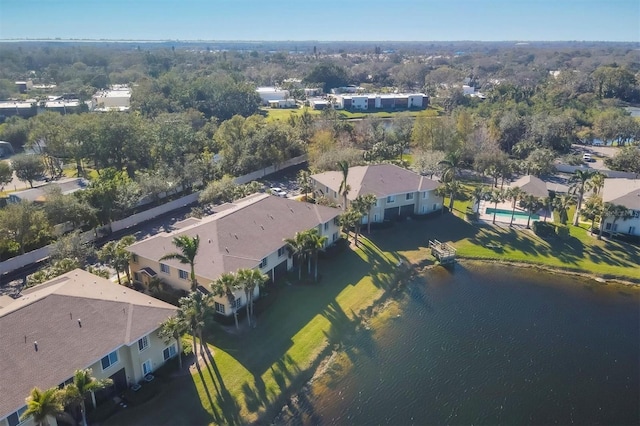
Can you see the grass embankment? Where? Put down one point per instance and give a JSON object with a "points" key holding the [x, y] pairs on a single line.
{"points": [[250, 374]]}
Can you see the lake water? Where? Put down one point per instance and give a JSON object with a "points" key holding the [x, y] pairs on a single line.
{"points": [[486, 344]]}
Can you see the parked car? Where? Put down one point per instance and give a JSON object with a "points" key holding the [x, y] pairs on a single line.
{"points": [[279, 192], [586, 158]]}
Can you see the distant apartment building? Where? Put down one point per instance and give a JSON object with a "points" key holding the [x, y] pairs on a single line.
{"points": [[24, 109], [373, 101], [116, 98], [268, 94]]}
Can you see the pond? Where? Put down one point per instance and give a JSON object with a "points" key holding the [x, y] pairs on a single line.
{"points": [[490, 344]]}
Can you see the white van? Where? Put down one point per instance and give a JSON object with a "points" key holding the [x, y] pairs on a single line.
{"points": [[586, 158]]}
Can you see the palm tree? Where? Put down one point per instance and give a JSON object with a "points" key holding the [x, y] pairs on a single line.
{"points": [[226, 285], [580, 180], [530, 203], [173, 328], [368, 202], [107, 255], [188, 247], [496, 196], [479, 192], [597, 182], [451, 165], [350, 219], [592, 210], [249, 279], [562, 204], [304, 182], [296, 248], [513, 193], [43, 404], [315, 242], [452, 189], [344, 186], [115, 255], [83, 384], [193, 311]]}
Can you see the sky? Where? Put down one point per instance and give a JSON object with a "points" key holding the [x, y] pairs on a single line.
{"points": [[326, 20]]}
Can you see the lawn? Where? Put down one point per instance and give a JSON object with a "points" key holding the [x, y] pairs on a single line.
{"points": [[249, 373], [276, 114]]}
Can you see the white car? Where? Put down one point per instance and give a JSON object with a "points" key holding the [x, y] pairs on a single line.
{"points": [[279, 192]]}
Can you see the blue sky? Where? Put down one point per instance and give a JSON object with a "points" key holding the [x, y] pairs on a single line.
{"points": [[421, 20]]}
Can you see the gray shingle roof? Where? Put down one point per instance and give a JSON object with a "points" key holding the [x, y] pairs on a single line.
{"points": [[381, 180], [111, 316], [240, 235], [532, 185], [625, 192]]}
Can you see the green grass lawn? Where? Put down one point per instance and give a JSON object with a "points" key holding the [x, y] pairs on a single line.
{"points": [[283, 114], [250, 374]]}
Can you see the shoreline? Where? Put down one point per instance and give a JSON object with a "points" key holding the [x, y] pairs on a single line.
{"points": [[291, 407]]}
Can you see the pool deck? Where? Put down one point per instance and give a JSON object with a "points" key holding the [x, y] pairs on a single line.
{"points": [[521, 221]]}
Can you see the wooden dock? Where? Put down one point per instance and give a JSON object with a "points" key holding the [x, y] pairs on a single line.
{"points": [[443, 252]]}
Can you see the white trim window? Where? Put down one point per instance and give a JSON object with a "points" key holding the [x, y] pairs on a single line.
{"points": [[409, 196], [219, 307], [143, 343], [14, 418], [109, 360], [165, 268], [169, 352], [263, 263], [238, 302], [282, 251], [391, 199], [183, 274]]}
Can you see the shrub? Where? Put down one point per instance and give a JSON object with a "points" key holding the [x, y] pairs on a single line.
{"points": [[563, 232], [543, 229]]}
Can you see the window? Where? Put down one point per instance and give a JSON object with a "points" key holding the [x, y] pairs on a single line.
{"points": [[169, 352], [391, 199], [410, 196], [424, 195], [336, 221], [281, 251], [109, 360], [219, 307], [136, 276], [435, 207], [143, 343], [134, 258], [608, 227], [263, 263], [335, 236], [183, 274], [238, 302], [164, 268], [14, 418], [632, 230], [326, 226], [146, 367]]}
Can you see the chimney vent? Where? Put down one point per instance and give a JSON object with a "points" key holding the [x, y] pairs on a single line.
{"points": [[35, 345], [79, 322]]}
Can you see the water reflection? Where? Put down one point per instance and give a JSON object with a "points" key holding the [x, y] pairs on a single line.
{"points": [[488, 345]]}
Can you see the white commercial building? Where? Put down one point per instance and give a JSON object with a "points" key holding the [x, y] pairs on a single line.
{"points": [[117, 98], [268, 94]]}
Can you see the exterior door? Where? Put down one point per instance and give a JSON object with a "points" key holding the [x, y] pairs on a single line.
{"points": [[146, 367]]}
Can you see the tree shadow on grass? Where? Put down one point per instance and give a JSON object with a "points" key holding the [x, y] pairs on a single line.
{"points": [[350, 335], [226, 402]]}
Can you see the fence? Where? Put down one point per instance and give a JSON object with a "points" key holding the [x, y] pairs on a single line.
{"points": [[135, 219], [566, 168]]}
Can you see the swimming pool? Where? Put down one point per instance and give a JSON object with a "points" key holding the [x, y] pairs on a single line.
{"points": [[507, 213]]}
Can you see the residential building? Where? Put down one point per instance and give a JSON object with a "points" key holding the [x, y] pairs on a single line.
{"points": [[248, 233], [399, 192], [65, 106], [282, 103], [77, 321], [24, 109], [374, 101], [39, 194], [272, 94], [24, 86], [532, 185], [116, 98], [624, 192]]}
